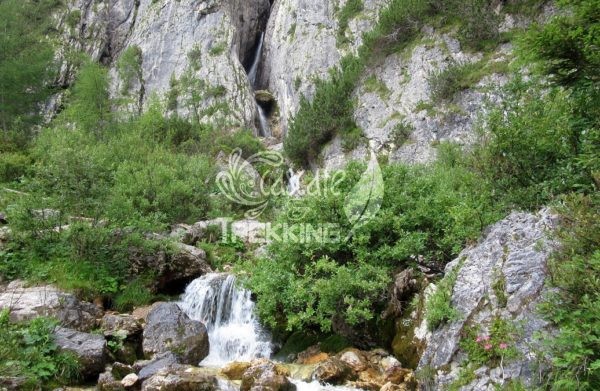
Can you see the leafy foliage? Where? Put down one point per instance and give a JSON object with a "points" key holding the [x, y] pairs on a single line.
{"points": [[567, 47], [575, 275], [29, 350], [438, 307]]}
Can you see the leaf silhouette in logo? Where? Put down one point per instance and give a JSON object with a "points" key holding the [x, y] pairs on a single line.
{"points": [[365, 199]]}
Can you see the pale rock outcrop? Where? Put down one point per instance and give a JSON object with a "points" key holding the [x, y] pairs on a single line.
{"points": [[515, 250], [26, 303]]}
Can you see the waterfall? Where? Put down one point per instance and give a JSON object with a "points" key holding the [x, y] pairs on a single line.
{"points": [[294, 182], [227, 311], [254, 68], [265, 131]]}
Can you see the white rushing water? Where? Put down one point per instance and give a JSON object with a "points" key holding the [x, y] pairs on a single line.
{"points": [[265, 130], [227, 311]]}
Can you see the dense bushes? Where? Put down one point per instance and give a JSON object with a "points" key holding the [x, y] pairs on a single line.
{"points": [[427, 214], [111, 180], [575, 277]]}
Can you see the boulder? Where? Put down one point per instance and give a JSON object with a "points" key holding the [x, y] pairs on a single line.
{"points": [[13, 383], [26, 303], [266, 375], [107, 382], [130, 380], [120, 370], [333, 371], [355, 359], [172, 270], [141, 313], [120, 325], [90, 349], [169, 329], [181, 378]]}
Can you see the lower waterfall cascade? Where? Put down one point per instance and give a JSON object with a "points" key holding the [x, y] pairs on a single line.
{"points": [[228, 314], [234, 331]]}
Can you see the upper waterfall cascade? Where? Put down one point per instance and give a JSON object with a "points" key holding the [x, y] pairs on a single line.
{"points": [[228, 314], [252, 73]]}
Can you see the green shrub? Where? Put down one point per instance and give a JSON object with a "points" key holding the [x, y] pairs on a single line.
{"points": [[494, 348], [129, 67], [567, 47], [445, 84], [424, 211], [135, 294], [533, 149], [14, 165], [479, 23], [348, 12]]}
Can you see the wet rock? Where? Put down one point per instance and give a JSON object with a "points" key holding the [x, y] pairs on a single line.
{"points": [[180, 378], [312, 355], [266, 375], [235, 370], [90, 349], [333, 371], [26, 303], [169, 329], [172, 271]]}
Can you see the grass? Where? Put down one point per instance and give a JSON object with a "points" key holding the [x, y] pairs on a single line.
{"points": [[438, 308]]}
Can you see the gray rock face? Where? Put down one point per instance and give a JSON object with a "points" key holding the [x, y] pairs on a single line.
{"points": [[301, 44], [169, 329], [28, 303], [206, 39], [515, 250], [90, 349]]}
